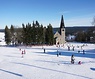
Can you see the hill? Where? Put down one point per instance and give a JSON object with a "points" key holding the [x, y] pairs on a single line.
{"points": [[72, 30], [69, 30], [1, 30]]}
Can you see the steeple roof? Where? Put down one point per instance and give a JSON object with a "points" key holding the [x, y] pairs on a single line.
{"points": [[62, 25]]}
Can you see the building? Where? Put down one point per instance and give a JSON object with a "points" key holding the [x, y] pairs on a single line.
{"points": [[60, 35], [70, 38]]}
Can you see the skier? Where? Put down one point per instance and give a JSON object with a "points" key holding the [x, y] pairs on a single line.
{"points": [[78, 51], [57, 54], [79, 62], [72, 59], [68, 48], [20, 49], [44, 50], [22, 54], [73, 48], [83, 52]]}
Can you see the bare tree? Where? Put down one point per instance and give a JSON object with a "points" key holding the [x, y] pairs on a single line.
{"points": [[93, 22]]}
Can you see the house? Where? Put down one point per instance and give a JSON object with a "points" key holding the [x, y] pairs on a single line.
{"points": [[60, 36], [70, 38]]}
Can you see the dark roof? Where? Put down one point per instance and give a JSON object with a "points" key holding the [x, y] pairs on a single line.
{"points": [[62, 25]]}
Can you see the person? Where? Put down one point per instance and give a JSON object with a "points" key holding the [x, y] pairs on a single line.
{"points": [[83, 52], [72, 59], [20, 49], [73, 48], [44, 50], [78, 51], [79, 62], [22, 54], [57, 54], [68, 48]]}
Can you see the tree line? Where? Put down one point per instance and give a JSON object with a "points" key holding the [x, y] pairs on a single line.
{"points": [[29, 34], [88, 35]]}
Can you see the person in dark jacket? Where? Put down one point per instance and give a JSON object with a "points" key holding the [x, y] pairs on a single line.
{"points": [[44, 50], [72, 59]]}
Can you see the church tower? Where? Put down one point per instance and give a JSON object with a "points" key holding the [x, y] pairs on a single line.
{"points": [[62, 25], [60, 36], [62, 30]]}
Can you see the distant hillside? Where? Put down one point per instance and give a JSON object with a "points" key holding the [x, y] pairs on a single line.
{"points": [[72, 30], [1, 30], [69, 30]]}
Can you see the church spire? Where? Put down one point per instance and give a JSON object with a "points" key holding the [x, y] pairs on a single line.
{"points": [[62, 24]]}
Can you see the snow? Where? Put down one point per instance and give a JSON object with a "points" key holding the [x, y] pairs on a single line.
{"points": [[39, 65], [36, 64], [2, 38]]}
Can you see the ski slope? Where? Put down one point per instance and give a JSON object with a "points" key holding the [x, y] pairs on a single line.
{"points": [[36, 64]]}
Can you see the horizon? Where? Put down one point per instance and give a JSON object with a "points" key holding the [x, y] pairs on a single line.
{"points": [[58, 27], [75, 13]]}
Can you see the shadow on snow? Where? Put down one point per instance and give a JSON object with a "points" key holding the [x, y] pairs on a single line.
{"points": [[11, 72], [12, 56], [69, 53], [52, 70], [92, 69]]}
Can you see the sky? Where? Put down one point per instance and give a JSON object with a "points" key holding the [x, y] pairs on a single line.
{"points": [[75, 12]]}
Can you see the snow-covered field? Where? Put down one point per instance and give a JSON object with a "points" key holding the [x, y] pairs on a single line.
{"points": [[36, 64]]}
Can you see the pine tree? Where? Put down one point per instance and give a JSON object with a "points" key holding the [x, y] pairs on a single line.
{"points": [[37, 32], [26, 33], [41, 31], [49, 35], [19, 36], [44, 35], [23, 34], [28, 29], [7, 35], [12, 31], [33, 33], [93, 22]]}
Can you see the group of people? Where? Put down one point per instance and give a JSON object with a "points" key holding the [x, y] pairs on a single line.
{"points": [[73, 48], [72, 58]]}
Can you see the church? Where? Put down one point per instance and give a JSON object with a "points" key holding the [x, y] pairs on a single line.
{"points": [[60, 35]]}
